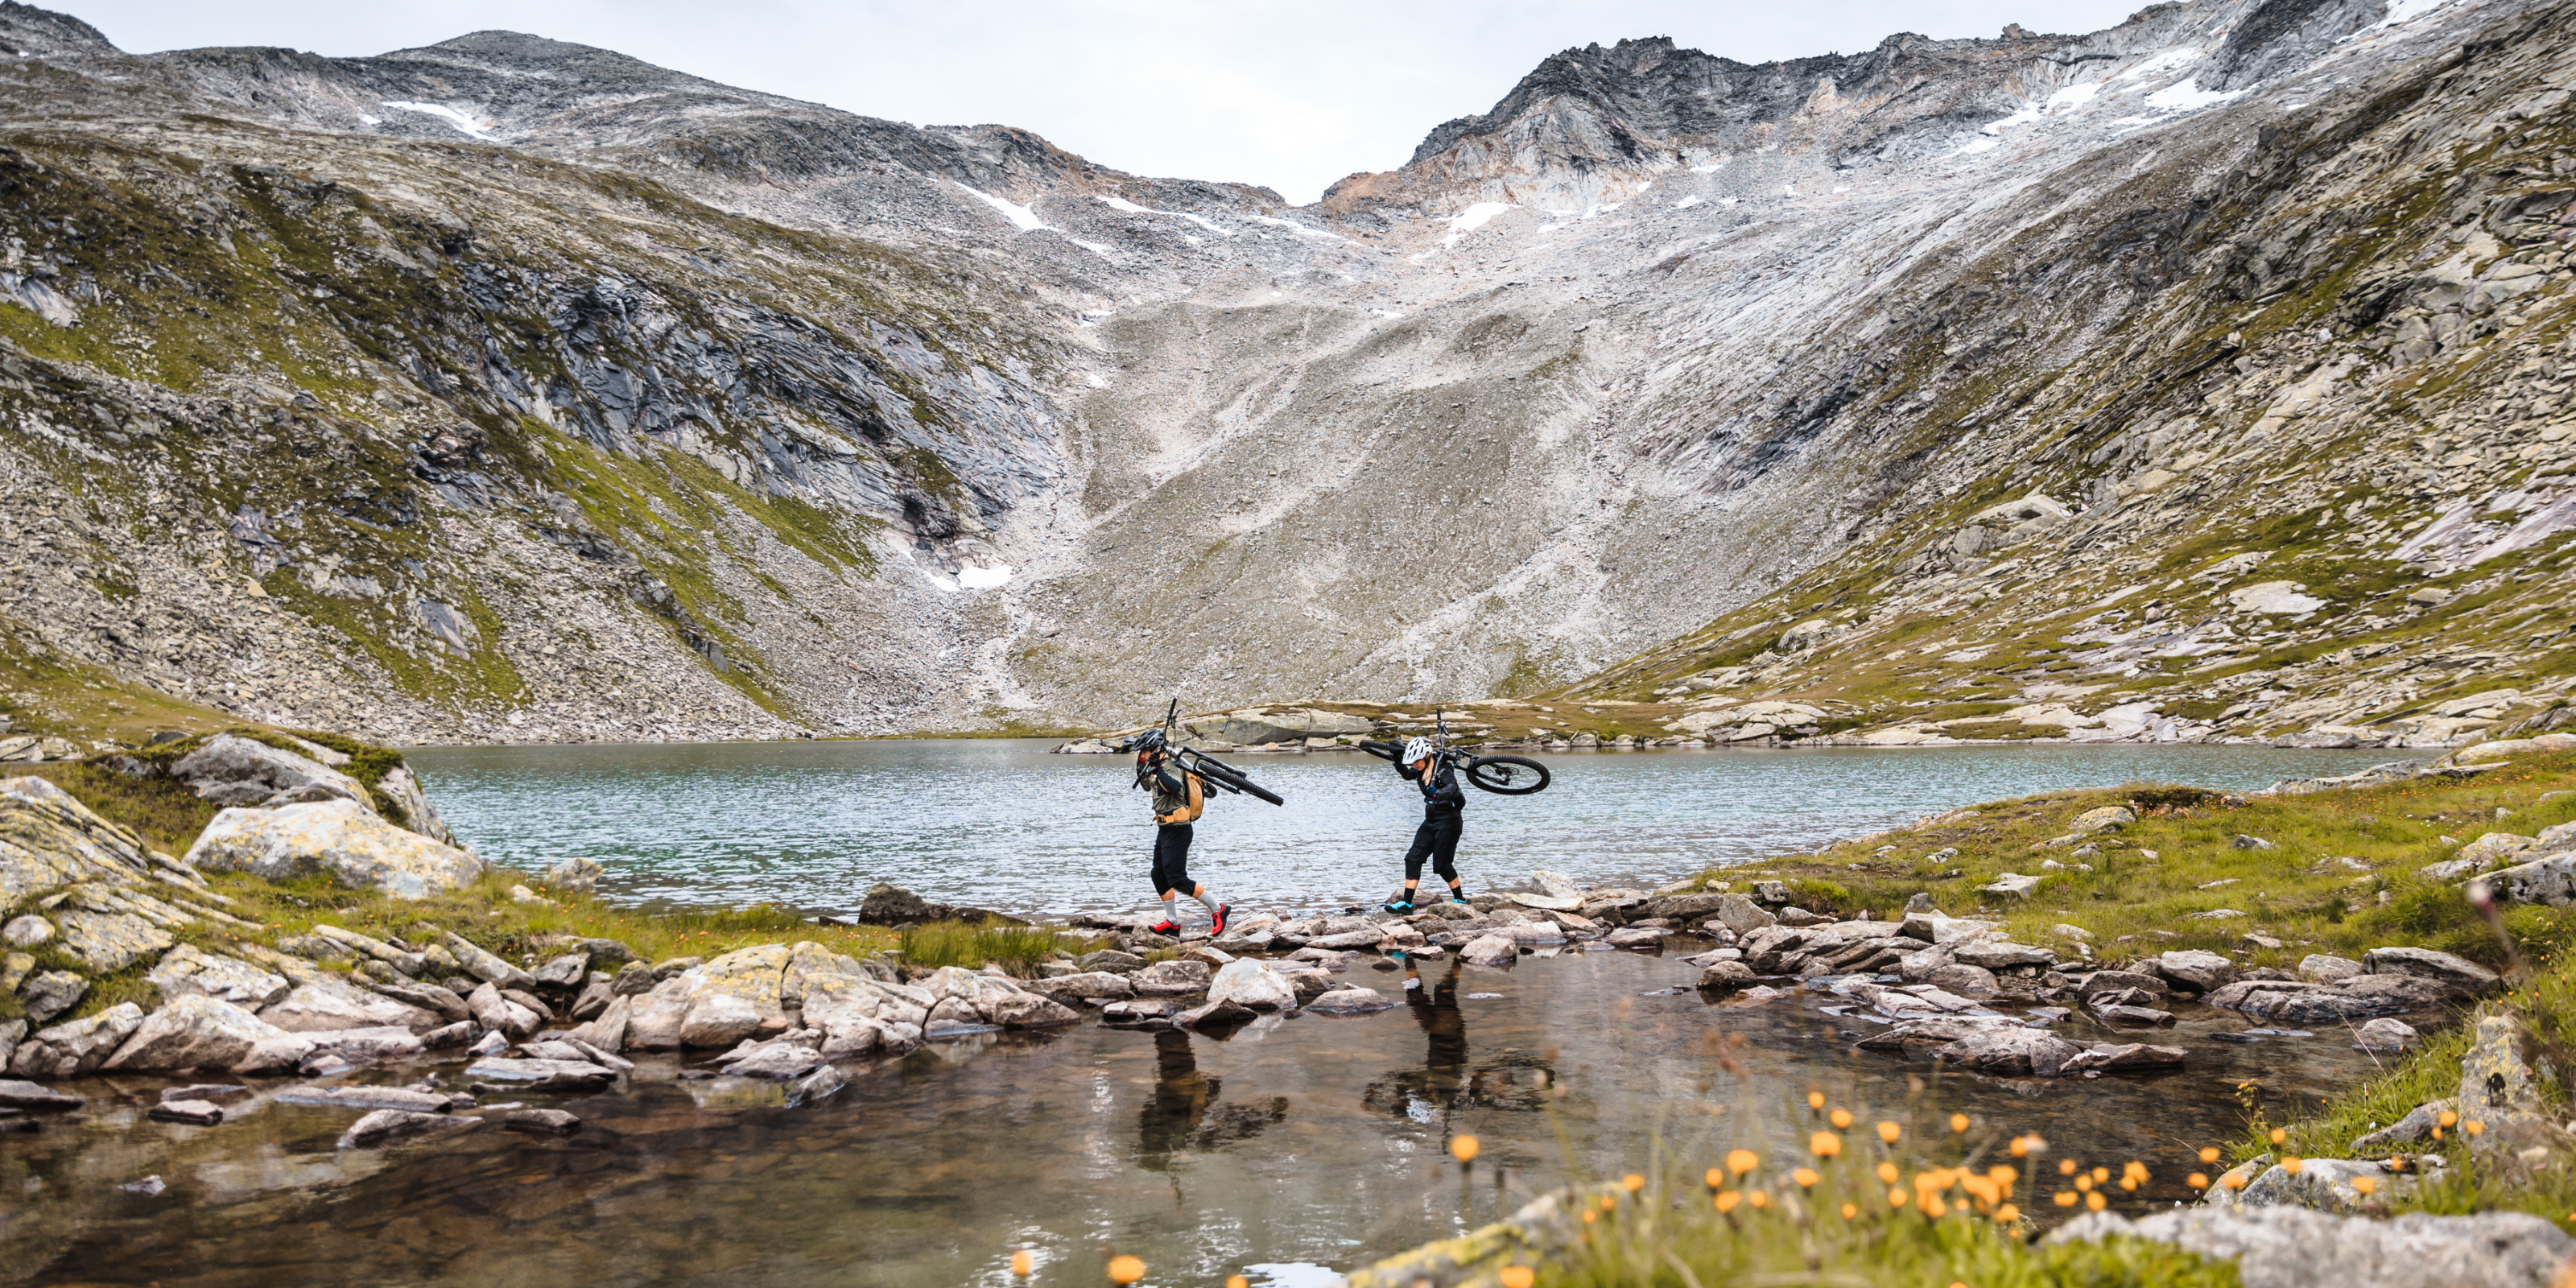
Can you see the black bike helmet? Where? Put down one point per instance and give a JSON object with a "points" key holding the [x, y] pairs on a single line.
{"points": [[1150, 740]]}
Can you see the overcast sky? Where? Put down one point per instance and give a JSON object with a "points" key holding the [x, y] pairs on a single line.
{"points": [[1291, 95]]}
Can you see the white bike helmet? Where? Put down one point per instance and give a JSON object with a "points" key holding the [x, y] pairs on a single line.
{"points": [[1415, 749]]}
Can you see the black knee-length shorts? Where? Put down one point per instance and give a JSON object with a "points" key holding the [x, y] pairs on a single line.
{"points": [[1172, 858]]}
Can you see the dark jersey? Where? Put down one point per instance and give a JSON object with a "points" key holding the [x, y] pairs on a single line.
{"points": [[1441, 793]]}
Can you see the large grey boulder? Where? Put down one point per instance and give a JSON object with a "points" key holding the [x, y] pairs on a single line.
{"points": [[336, 839], [233, 770], [79, 1046], [2009, 1050], [2462, 976], [328, 1005], [2293, 1247], [184, 971], [2551, 881], [1085, 984], [2196, 969], [110, 941], [51, 993], [1171, 979], [49, 840], [1254, 985], [1490, 950], [484, 965], [2357, 997], [412, 810], [192, 1031]]}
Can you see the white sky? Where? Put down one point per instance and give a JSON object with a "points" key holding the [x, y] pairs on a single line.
{"points": [[1291, 95]]}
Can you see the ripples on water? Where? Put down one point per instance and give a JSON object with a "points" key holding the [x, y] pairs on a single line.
{"points": [[1003, 824], [1297, 1142]]}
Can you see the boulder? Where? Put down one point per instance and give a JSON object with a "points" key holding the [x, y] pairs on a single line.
{"points": [[27, 931], [1933, 928], [1110, 960], [1253, 985], [892, 905], [2196, 969], [325, 1005], [2323, 969], [2011, 885], [411, 808], [1967, 981], [193, 1113], [2462, 976], [2244, 842], [2129, 1058], [367, 1100], [337, 839], [21, 1095], [1742, 915], [192, 1031], [2385, 1034], [233, 770], [369, 948], [565, 973], [1490, 950], [1214, 1015], [2495, 1081], [780, 1061], [483, 965], [49, 840], [1349, 1001], [1025, 1010], [52, 993], [2122, 1015], [2009, 1050], [76, 1047], [541, 1075], [540, 1122], [387, 1125], [110, 941], [1171, 979], [2293, 1247], [2418, 1124], [1933, 1031], [1086, 985], [184, 971], [2112, 981], [2326, 1185], [2096, 820], [805, 962], [1726, 977], [2000, 955], [2550, 881], [2358, 997], [1637, 937], [442, 1002], [715, 1019]]}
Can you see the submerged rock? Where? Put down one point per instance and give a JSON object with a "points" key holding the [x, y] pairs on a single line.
{"points": [[2293, 1247]]}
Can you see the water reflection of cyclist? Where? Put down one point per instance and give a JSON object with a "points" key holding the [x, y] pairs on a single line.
{"points": [[1444, 1069], [1181, 1098]]}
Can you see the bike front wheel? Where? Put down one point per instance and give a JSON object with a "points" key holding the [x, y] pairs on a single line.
{"points": [[1508, 775]]}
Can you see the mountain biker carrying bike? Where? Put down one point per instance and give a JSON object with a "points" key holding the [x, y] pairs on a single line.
{"points": [[1444, 806], [1179, 799]]}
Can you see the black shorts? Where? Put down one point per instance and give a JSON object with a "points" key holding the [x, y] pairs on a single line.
{"points": [[1436, 840], [1172, 859]]}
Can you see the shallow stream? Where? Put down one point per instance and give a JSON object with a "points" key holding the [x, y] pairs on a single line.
{"points": [[1297, 1143]]}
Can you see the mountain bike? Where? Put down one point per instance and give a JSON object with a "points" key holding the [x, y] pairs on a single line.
{"points": [[1501, 775], [1190, 760]]}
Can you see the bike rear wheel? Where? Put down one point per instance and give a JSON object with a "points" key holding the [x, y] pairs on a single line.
{"points": [[1381, 750], [1508, 775]]}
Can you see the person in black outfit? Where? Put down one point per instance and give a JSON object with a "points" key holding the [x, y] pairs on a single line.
{"points": [[1444, 807], [1179, 798]]}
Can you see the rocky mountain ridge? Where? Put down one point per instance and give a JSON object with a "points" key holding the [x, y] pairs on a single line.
{"points": [[514, 389]]}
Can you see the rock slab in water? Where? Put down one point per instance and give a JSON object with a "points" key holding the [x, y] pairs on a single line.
{"points": [[19, 1094], [1252, 985], [194, 1113], [1350, 1001], [541, 1122], [393, 1124], [892, 905], [2292, 1247], [340, 840]]}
